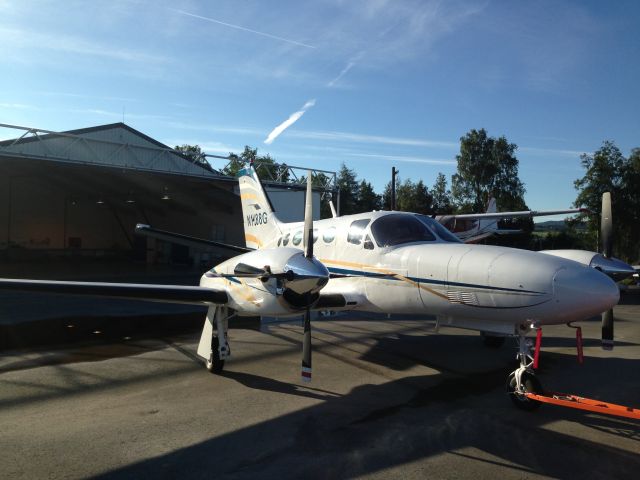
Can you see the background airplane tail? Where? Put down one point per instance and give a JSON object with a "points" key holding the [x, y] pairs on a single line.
{"points": [[489, 224], [261, 224]]}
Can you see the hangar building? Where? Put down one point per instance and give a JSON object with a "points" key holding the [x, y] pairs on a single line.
{"points": [[80, 194]]}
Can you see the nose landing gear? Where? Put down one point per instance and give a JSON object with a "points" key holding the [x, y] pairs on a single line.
{"points": [[523, 380]]}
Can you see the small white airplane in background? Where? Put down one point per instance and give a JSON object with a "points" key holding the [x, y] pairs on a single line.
{"points": [[386, 262], [473, 227]]}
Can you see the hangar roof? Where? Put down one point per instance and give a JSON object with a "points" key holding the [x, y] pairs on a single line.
{"points": [[113, 145]]}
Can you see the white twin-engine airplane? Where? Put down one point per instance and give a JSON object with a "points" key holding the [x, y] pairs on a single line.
{"points": [[391, 262]]}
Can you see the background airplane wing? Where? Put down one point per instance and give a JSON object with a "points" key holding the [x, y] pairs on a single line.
{"points": [[134, 291], [148, 231], [506, 215]]}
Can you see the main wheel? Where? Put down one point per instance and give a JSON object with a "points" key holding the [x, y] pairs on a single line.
{"points": [[214, 363], [531, 385]]}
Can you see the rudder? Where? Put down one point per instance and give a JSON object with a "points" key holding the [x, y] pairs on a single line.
{"points": [[261, 224]]}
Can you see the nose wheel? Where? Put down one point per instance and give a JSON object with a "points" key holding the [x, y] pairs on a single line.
{"points": [[523, 380]]}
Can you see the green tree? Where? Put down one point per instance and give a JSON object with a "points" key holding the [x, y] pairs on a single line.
{"points": [[349, 190], [368, 199], [607, 170], [410, 197], [195, 154], [487, 166], [320, 181], [442, 201], [265, 165]]}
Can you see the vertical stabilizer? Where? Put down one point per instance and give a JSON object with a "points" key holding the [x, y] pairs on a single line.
{"points": [[261, 225], [486, 225]]}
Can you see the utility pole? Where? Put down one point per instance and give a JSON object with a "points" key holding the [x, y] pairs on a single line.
{"points": [[394, 172]]}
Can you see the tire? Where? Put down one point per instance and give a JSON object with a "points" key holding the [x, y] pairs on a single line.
{"points": [[493, 341], [531, 385], [214, 363]]}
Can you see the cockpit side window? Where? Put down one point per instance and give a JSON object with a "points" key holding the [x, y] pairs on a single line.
{"points": [[400, 228], [356, 230]]}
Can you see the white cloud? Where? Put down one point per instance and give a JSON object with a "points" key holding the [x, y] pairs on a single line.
{"points": [[403, 158], [552, 152], [275, 133], [18, 106], [361, 138], [17, 40]]}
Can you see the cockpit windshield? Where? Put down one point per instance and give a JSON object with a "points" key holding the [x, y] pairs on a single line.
{"points": [[399, 228], [444, 233]]}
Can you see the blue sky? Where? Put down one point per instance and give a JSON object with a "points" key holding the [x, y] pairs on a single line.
{"points": [[371, 83]]}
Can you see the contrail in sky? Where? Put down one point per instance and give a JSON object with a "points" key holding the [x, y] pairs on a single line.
{"points": [[289, 121], [238, 27], [341, 74]]}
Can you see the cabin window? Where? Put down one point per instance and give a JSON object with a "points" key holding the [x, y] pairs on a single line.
{"points": [[297, 238], [279, 241], [329, 235], [400, 228], [285, 240], [315, 235], [356, 231]]}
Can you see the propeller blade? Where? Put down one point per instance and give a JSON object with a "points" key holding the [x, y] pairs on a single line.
{"points": [[606, 233], [308, 219], [606, 225], [306, 347], [244, 269], [607, 330]]}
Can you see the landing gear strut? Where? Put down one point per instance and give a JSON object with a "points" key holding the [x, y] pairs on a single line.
{"points": [[214, 346], [523, 380]]}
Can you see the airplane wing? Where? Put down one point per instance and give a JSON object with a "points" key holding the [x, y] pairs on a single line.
{"points": [[519, 214], [132, 291], [148, 231]]}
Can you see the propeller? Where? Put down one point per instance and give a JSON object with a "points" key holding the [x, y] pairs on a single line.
{"points": [[243, 270], [308, 253], [606, 234]]}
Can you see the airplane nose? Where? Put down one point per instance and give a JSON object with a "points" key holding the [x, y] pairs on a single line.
{"points": [[582, 292]]}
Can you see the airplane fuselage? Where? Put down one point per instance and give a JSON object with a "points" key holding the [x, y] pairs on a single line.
{"points": [[404, 263]]}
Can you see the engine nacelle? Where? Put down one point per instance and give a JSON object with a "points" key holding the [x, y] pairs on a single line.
{"points": [[275, 281], [613, 267]]}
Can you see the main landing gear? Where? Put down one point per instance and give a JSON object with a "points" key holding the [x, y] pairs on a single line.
{"points": [[214, 345], [523, 380]]}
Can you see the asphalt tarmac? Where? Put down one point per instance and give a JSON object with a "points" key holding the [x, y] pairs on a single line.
{"points": [[388, 400]]}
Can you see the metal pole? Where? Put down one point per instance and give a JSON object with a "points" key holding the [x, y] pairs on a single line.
{"points": [[9, 213], [393, 187], [64, 225]]}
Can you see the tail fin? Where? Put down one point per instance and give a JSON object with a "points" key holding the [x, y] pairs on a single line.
{"points": [[487, 224], [261, 224]]}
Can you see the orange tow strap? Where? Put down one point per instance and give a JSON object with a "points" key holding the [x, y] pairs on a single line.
{"points": [[581, 403]]}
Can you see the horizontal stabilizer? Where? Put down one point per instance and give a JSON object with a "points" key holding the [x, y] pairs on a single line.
{"points": [[133, 291], [148, 231]]}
